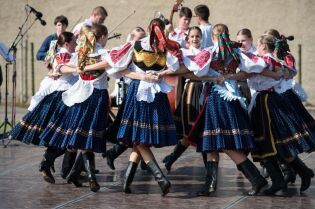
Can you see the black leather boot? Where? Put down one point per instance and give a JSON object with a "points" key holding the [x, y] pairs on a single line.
{"points": [[211, 179], [96, 171], [204, 159], [113, 153], [288, 172], [251, 172], [88, 158], [304, 172], [48, 162], [276, 176], [73, 176], [67, 163], [171, 158], [163, 182], [264, 171], [143, 166], [129, 175]]}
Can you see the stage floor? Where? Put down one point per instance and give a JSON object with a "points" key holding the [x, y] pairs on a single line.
{"points": [[21, 185]]}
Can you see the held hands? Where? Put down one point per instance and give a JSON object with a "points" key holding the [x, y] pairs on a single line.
{"points": [[151, 77], [79, 71], [53, 75], [220, 79], [48, 65]]}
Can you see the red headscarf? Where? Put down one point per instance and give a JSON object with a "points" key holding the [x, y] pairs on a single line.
{"points": [[159, 43]]}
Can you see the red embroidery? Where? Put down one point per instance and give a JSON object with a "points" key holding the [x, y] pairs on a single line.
{"points": [[63, 58], [272, 64], [88, 77], [251, 56], [201, 58], [289, 60], [116, 55]]}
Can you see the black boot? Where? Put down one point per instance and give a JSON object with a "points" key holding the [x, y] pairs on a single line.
{"points": [[47, 163], [205, 159], [143, 166], [163, 182], [67, 163], [276, 176], [96, 171], [264, 172], [129, 175], [251, 172], [113, 153], [88, 158], [75, 171], [304, 172], [171, 158], [288, 172], [58, 153], [211, 179]]}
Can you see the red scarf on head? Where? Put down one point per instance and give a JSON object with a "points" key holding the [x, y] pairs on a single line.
{"points": [[159, 43]]}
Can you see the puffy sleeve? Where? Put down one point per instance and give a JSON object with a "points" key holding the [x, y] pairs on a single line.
{"points": [[119, 57], [199, 64], [61, 59], [290, 62], [251, 63], [173, 60]]}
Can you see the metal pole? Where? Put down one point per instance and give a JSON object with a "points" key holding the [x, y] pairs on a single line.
{"points": [[32, 68], [25, 96], [300, 64], [21, 84]]}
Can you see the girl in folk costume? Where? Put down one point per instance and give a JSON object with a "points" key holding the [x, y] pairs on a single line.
{"points": [[244, 36], [81, 120], [118, 148], [223, 122], [189, 106], [44, 103], [293, 94], [147, 120], [278, 132]]}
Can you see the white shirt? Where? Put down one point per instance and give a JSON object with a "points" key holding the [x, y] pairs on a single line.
{"points": [[77, 28], [179, 36], [206, 30]]}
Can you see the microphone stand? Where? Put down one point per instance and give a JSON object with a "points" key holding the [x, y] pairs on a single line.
{"points": [[13, 48]]}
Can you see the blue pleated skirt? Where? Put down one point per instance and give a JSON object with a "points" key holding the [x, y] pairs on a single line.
{"points": [[34, 122], [277, 129], [221, 125], [81, 126], [145, 123]]}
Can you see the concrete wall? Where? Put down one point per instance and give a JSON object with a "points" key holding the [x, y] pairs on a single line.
{"points": [[284, 15]]}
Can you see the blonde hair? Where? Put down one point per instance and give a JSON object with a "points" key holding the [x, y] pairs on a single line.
{"points": [[219, 29], [85, 30], [269, 41]]}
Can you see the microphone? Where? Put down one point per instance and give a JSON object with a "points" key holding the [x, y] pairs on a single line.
{"points": [[38, 14], [43, 22]]}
